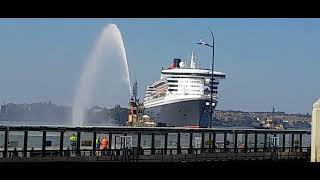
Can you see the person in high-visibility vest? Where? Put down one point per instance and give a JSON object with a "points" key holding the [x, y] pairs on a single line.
{"points": [[104, 144], [73, 141], [98, 143]]}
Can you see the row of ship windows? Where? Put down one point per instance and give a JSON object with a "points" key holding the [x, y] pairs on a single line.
{"points": [[195, 74], [195, 82], [184, 81], [175, 81], [174, 85], [176, 78], [190, 90], [194, 86], [215, 92]]}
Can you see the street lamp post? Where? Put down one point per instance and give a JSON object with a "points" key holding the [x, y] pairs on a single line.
{"points": [[212, 68]]}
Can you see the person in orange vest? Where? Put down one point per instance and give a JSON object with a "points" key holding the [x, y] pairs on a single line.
{"points": [[104, 145]]}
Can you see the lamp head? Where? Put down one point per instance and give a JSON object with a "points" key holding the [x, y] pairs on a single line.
{"points": [[202, 42]]}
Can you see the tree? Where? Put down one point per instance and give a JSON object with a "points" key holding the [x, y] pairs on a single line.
{"points": [[118, 113]]}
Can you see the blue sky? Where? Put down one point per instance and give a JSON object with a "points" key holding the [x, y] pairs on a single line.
{"points": [[267, 61]]}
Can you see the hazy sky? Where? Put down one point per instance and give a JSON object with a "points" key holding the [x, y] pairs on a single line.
{"points": [[267, 61]]}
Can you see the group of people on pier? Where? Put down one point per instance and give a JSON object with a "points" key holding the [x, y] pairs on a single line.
{"points": [[101, 144]]}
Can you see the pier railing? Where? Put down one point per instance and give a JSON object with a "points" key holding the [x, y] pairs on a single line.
{"points": [[170, 155], [196, 143]]}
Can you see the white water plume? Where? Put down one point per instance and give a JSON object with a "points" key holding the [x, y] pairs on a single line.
{"points": [[106, 70]]}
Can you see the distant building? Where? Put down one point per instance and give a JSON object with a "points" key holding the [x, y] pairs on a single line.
{"points": [[3, 109], [3, 112]]}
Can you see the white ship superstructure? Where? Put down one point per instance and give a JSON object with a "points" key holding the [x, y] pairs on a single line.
{"points": [[181, 97]]}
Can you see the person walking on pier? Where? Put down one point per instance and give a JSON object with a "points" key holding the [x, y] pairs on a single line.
{"points": [[73, 141]]}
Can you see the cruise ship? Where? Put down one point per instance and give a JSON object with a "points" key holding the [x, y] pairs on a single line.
{"points": [[181, 98]]}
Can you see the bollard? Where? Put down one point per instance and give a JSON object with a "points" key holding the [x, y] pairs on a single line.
{"points": [[315, 135]]}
